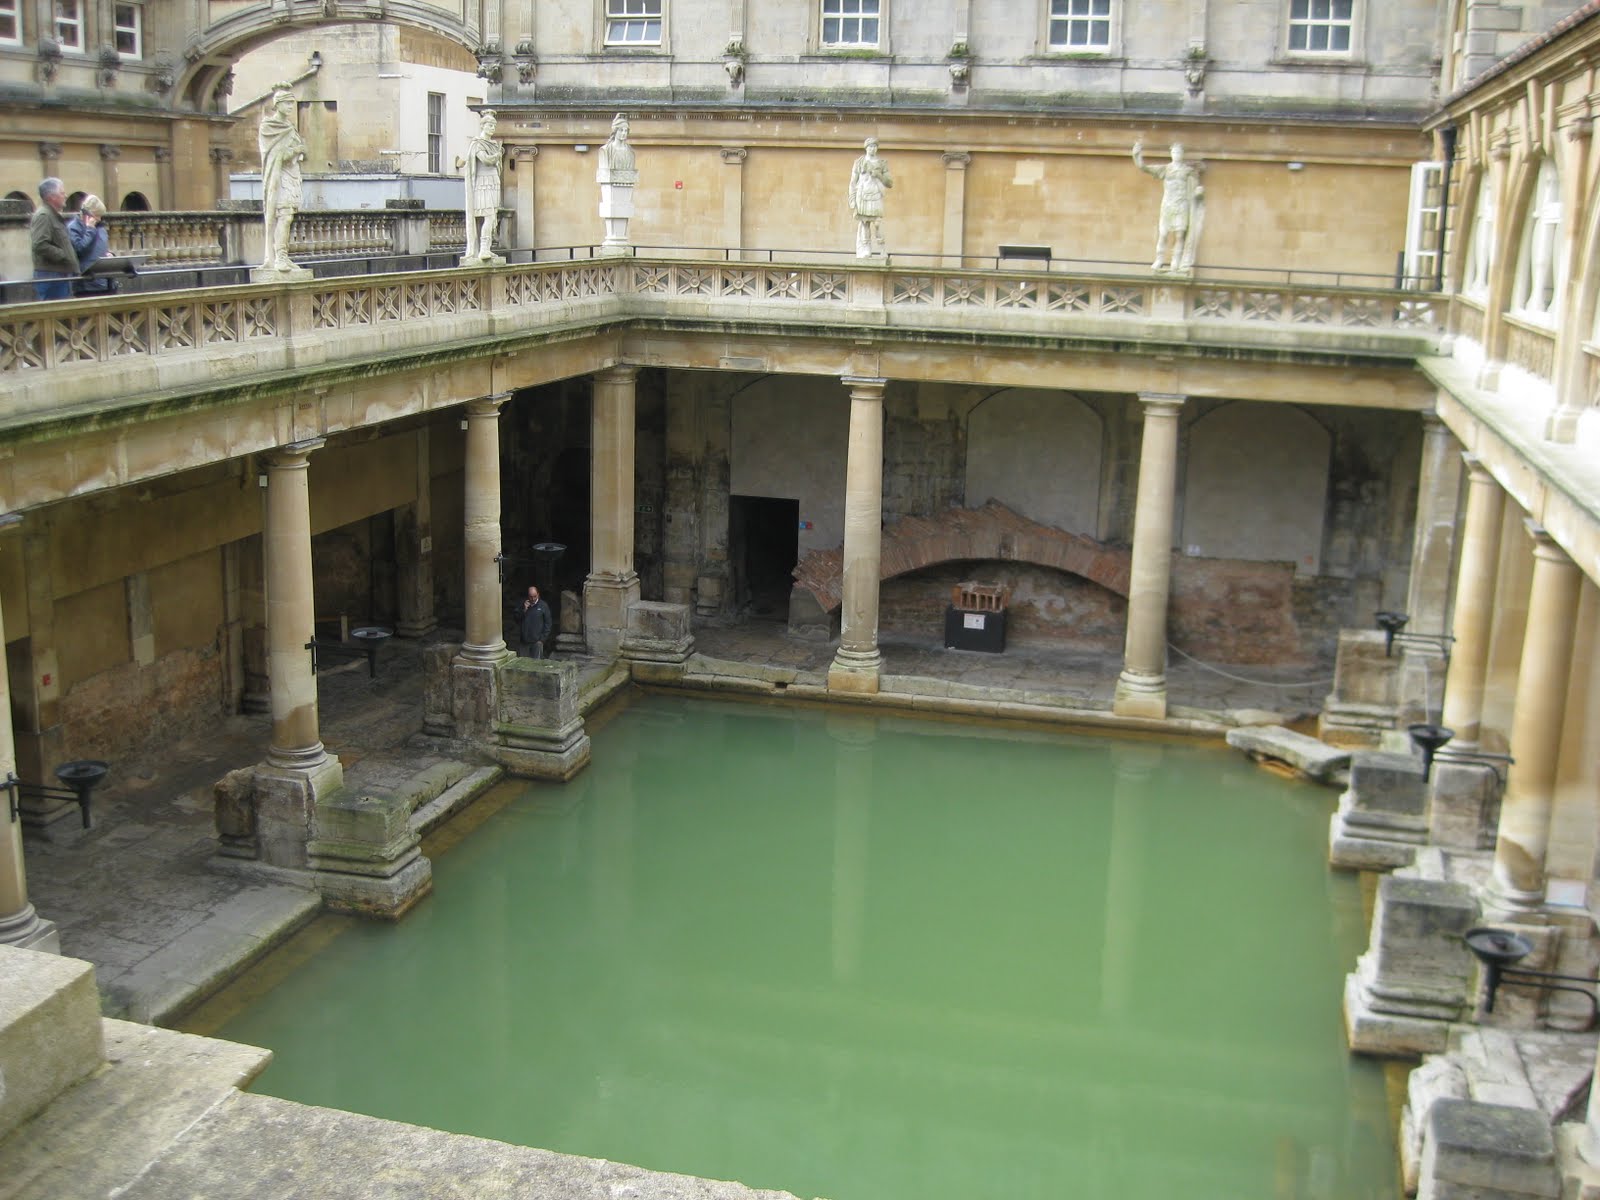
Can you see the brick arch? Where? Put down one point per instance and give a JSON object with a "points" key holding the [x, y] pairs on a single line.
{"points": [[957, 534]]}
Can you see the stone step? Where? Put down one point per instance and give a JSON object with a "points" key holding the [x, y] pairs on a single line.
{"points": [[104, 1133], [50, 1034]]}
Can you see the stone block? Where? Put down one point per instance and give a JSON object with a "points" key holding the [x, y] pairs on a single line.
{"points": [[1475, 1151], [1310, 757], [1382, 816], [365, 853], [1416, 976], [657, 632], [1440, 1077], [540, 734], [1464, 806], [438, 708], [234, 799], [1365, 697], [50, 1031], [284, 799], [474, 696]]}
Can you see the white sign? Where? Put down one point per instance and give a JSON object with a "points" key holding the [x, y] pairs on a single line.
{"points": [[972, 620]]}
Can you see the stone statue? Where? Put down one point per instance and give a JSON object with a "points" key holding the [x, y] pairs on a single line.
{"points": [[616, 176], [1182, 209], [282, 152], [481, 172], [868, 179]]}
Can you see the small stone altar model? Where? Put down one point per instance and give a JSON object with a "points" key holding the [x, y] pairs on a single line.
{"points": [[1183, 210], [480, 170], [616, 176], [868, 179], [282, 152]]}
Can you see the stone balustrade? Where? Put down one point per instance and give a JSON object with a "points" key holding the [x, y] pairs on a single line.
{"points": [[84, 351]]}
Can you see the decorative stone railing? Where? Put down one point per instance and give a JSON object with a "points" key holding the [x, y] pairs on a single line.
{"points": [[1531, 349], [1466, 320], [83, 351], [171, 239]]}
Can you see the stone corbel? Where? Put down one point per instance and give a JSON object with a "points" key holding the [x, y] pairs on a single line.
{"points": [[960, 62], [164, 76], [1581, 130], [491, 66], [1195, 62], [110, 64], [527, 62], [110, 153], [733, 60], [49, 153], [221, 154], [162, 154], [49, 59]]}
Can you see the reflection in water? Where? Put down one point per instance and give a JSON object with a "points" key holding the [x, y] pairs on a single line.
{"points": [[871, 958]]}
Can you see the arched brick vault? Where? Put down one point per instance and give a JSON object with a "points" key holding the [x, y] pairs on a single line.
{"points": [[990, 532]]}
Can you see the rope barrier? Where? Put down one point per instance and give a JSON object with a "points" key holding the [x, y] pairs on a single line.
{"points": [[1253, 682]]}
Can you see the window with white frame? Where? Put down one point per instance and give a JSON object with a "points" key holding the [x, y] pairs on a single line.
{"points": [[1539, 272], [1083, 25], [11, 22], [128, 26], [69, 24], [1480, 243], [633, 22], [1321, 26], [435, 133], [851, 24]]}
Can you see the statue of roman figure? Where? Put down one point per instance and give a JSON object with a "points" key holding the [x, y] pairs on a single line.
{"points": [[282, 152], [616, 175], [868, 180], [481, 172], [1182, 209]]}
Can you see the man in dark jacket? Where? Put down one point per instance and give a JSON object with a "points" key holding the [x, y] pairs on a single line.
{"points": [[535, 614], [54, 259]]}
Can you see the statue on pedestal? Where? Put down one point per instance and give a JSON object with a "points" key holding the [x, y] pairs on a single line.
{"points": [[616, 176], [868, 179], [481, 172], [1182, 210], [282, 152]]}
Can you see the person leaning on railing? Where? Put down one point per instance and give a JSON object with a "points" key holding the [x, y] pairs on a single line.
{"points": [[54, 260], [88, 233]]}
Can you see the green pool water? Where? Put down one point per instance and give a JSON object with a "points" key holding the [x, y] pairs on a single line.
{"points": [[871, 959]]}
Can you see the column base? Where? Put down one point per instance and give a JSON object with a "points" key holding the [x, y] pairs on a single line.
{"points": [[1502, 902], [416, 629], [1140, 695], [606, 600], [284, 801], [279, 275], [475, 693], [855, 671], [27, 930], [490, 654]]}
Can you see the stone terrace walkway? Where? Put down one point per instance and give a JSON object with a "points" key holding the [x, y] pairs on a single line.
{"points": [[139, 895]]}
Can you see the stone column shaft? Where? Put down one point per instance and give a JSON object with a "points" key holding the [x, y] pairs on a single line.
{"points": [[1524, 832], [20, 925], [1439, 489], [413, 537], [485, 633], [1508, 623], [1142, 688], [291, 609], [856, 665], [1474, 605], [612, 584]]}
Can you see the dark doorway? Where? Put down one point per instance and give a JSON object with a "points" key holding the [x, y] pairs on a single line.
{"points": [[763, 546]]}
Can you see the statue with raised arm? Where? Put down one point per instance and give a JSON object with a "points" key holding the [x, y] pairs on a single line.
{"points": [[1182, 209], [282, 152], [616, 175], [868, 180], [481, 171]]}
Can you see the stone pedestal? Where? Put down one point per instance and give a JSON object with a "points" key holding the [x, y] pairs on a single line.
{"points": [[1463, 806], [366, 855], [1416, 975], [540, 734], [1382, 816], [657, 633], [274, 275], [475, 695], [606, 602], [482, 260], [570, 639], [438, 695], [283, 799], [1364, 703], [1475, 1151]]}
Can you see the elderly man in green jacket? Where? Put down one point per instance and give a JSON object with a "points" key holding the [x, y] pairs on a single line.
{"points": [[54, 259]]}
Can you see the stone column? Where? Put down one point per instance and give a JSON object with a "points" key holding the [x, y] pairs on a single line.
{"points": [[1438, 493], [1575, 817], [1507, 627], [1474, 606], [955, 203], [1142, 687], [291, 611], [856, 665], [413, 548], [166, 181], [521, 161], [111, 189], [612, 584], [20, 925], [50, 159], [221, 169], [297, 770], [733, 198], [1524, 831], [485, 633], [38, 733]]}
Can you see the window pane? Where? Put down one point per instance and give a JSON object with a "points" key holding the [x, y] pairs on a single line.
{"points": [[1319, 37], [1341, 9], [1341, 37]]}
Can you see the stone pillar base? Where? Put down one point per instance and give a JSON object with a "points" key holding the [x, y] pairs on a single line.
{"points": [[540, 734], [855, 671], [420, 628], [475, 694], [27, 930], [657, 633], [605, 611], [1474, 1151], [365, 854], [1416, 976], [1363, 705], [1382, 814], [482, 260], [274, 275], [621, 248], [1464, 807], [284, 800], [1140, 696]]}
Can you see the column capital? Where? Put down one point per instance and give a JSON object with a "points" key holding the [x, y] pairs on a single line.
{"points": [[1161, 404], [618, 373], [292, 457], [163, 154], [49, 150], [1432, 422], [864, 387], [956, 160], [1476, 471], [1545, 546], [734, 155], [10, 521], [487, 406], [110, 152]]}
